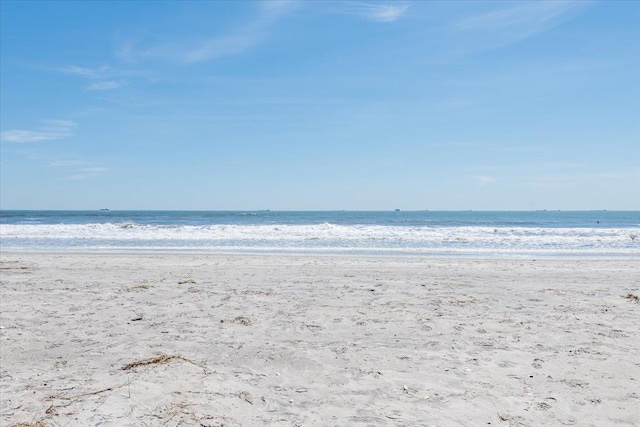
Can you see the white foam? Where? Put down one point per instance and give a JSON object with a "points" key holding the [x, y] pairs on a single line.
{"points": [[324, 237]]}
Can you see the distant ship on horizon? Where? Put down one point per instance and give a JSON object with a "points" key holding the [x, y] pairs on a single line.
{"points": [[104, 210]]}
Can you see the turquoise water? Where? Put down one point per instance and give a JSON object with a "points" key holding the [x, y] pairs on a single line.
{"points": [[603, 234]]}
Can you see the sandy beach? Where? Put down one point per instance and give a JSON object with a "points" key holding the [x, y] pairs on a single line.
{"points": [[212, 340]]}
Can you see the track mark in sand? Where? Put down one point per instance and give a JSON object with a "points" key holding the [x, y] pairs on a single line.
{"points": [[543, 406], [537, 363], [575, 383]]}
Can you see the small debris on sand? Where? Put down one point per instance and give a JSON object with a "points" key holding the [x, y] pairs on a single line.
{"points": [[246, 396], [632, 297], [33, 424], [151, 361], [164, 358], [244, 321], [504, 417]]}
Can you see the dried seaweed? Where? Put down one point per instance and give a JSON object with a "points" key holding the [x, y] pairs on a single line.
{"points": [[164, 358], [245, 321], [33, 424], [151, 361]]}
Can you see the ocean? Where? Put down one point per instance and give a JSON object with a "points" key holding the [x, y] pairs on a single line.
{"points": [[474, 234]]}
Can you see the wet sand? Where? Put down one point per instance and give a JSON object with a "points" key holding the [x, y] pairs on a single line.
{"points": [[212, 340]]}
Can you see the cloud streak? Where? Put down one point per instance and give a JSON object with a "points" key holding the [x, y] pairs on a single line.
{"points": [[247, 36], [235, 42], [78, 169], [482, 180], [89, 73], [378, 11], [105, 85], [522, 21], [85, 173], [66, 163], [101, 78], [204, 50], [49, 131]]}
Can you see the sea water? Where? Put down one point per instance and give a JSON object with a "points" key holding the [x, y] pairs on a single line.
{"points": [[598, 234]]}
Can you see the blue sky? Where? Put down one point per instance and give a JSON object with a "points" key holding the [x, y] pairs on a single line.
{"points": [[320, 105]]}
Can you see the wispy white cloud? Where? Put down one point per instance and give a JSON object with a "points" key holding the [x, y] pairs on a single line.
{"points": [[482, 180], [522, 20], [49, 130], [380, 12], [66, 163], [89, 73], [279, 6], [105, 85], [56, 124], [76, 169], [126, 51], [247, 36], [85, 173], [204, 50], [24, 136], [93, 170], [104, 77], [233, 43]]}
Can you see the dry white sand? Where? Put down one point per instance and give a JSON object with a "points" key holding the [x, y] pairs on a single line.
{"points": [[310, 341]]}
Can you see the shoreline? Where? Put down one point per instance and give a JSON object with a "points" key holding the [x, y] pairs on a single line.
{"points": [[275, 340], [294, 253]]}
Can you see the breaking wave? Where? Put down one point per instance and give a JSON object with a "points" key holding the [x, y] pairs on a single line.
{"points": [[325, 238]]}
